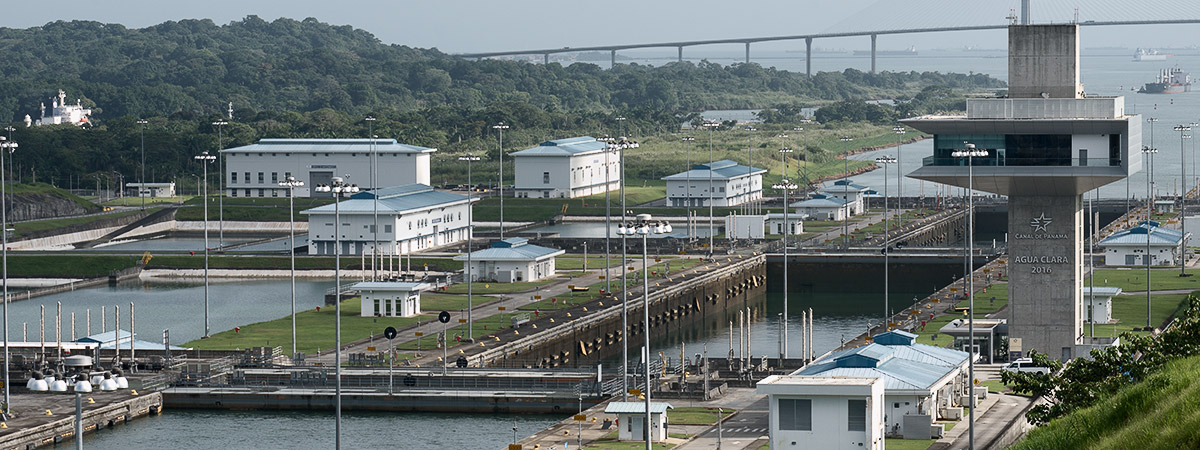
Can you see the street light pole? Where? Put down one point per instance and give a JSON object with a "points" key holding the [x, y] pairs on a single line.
{"points": [[785, 186], [1149, 152], [291, 183], [337, 186], [470, 234], [899, 130], [886, 161], [644, 226], [970, 153], [142, 188], [1182, 129], [687, 189], [7, 146], [711, 196], [220, 186], [501, 127], [748, 208], [375, 196], [205, 159], [846, 194]]}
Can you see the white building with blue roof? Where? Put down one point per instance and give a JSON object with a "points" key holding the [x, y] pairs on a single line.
{"points": [[822, 207], [567, 168], [412, 218], [390, 298], [731, 184], [255, 170], [1128, 247], [853, 194], [511, 260], [918, 379]]}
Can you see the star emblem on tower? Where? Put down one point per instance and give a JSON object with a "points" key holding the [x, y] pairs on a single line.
{"points": [[1040, 222]]}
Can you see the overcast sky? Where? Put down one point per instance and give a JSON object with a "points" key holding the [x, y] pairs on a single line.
{"points": [[456, 26]]}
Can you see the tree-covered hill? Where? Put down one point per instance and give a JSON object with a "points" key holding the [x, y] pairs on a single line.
{"points": [[197, 66]]}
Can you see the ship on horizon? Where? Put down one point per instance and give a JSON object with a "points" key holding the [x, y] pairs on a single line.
{"points": [[911, 51], [1149, 55], [1170, 81]]}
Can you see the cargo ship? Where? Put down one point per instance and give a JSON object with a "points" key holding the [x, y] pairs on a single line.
{"points": [[1149, 55], [911, 51], [1170, 81]]}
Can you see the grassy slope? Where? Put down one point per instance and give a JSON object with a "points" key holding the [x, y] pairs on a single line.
{"points": [[1158, 413]]}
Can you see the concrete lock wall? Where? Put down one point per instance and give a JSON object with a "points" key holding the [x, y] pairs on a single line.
{"points": [[589, 344], [1045, 274]]}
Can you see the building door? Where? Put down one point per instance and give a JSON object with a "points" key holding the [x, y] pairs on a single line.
{"points": [[1130, 260]]}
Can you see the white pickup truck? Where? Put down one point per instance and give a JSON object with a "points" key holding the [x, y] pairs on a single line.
{"points": [[1025, 365]]}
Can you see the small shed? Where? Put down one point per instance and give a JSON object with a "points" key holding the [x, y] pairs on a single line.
{"points": [[511, 260], [740, 226], [1101, 303], [157, 190], [631, 419], [1129, 247], [390, 299], [795, 222]]}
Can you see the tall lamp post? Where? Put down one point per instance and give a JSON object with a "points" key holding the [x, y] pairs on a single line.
{"points": [[337, 186], [1149, 152], [711, 196], [6, 147], [749, 171], [142, 188], [501, 127], [970, 153], [645, 227], [846, 194], [375, 196], [899, 130], [687, 188], [1182, 129], [205, 159], [785, 186], [470, 234], [291, 183], [886, 161], [220, 186]]}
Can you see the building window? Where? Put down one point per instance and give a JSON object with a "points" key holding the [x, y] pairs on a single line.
{"points": [[233, 177], [247, 181], [260, 192], [387, 228], [545, 177], [795, 414], [856, 415], [287, 175], [233, 192], [246, 192], [274, 192], [260, 179], [274, 177]]}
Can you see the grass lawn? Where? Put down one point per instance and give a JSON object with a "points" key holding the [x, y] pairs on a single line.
{"points": [[315, 330], [697, 415], [1134, 279], [931, 336], [484, 288], [137, 201], [50, 224], [1131, 312], [907, 444], [610, 442], [634, 195], [575, 262], [993, 387], [984, 304]]}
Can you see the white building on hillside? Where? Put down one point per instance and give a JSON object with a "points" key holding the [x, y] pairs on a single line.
{"points": [[1128, 247], [567, 168], [819, 413], [412, 218], [255, 170], [732, 184], [511, 260]]}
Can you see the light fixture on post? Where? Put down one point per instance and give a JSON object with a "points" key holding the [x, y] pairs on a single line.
{"points": [[785, 186], [1182, 129], [142, 188], [711, 198], [501, 127], [337, 186], [375, 196], [846, 194], [470, 234], [644, 226], [886, 161], [205, 159], [970, 153], [220, 124], [7, 146], [1149, 152], [291, 183], [687, 188]]}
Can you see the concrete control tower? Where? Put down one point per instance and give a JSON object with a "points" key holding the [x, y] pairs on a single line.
{"points": [[1047, 144]]}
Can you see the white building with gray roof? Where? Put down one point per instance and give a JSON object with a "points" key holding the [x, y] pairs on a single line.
{"points": [[731, 184], [511, 260], [853, 194], [821, 207], [567, 168], [255, 170], [412, 218], [1128, 247]]}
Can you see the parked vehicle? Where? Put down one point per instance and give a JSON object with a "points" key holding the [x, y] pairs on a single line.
{"points": [[1025, 365]]}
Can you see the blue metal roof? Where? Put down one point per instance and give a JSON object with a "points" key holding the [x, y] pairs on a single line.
{"points": [[1159, 236], [388, 286], [512, 249], [894, 337], [907, 366], [720, 170], [393, 200], [565, 147], [328, 146], [636, 408], [843, 186], [820, 202]]}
